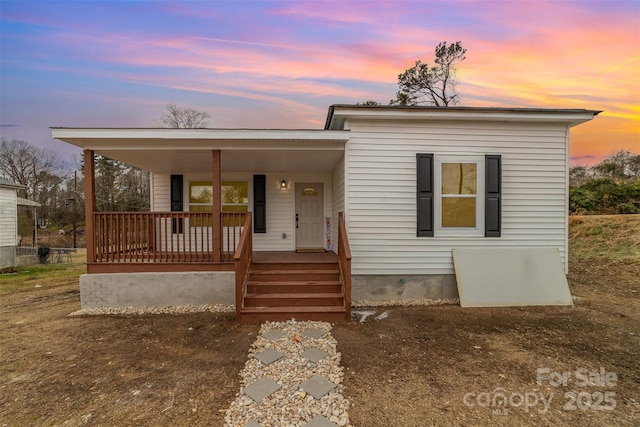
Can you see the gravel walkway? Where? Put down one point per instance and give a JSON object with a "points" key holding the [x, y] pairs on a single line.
{"points": [[292, 378]]}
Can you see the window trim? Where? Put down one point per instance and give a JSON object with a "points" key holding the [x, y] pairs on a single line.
{"points": [[478, 230]]}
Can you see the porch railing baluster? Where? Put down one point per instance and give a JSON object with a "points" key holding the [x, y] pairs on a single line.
{"points": [[165, 237]]}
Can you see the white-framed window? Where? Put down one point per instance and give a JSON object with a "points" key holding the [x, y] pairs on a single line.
{"points": [[234, 195], [459, 195]]}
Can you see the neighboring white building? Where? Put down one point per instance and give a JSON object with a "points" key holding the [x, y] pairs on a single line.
{"points": [[414, 183], [8, 222]]}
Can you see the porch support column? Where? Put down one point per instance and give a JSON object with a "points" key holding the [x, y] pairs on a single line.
{"points": [[216, 181], [89, 203]]}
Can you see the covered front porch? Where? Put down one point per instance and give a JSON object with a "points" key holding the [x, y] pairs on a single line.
{"points": [[191, 225], [186, 233]]}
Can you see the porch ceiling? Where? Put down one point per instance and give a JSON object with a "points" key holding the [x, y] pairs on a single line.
{"points": [[189, 150], [197, 161]]}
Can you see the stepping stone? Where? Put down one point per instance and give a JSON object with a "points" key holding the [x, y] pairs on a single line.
{"points": [[314, 354], [261, 388], [252, 423], [313, 333], [273, 335], [317, 386], [320, 421], [269, 356]]}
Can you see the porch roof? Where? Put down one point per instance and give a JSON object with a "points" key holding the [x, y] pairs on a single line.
{"points": [[242, 150]]}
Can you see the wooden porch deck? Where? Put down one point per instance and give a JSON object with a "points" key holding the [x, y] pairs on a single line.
{"points": [[162, 263]]}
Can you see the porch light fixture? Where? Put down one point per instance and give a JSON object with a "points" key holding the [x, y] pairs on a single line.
{"points": [[283, 184]]}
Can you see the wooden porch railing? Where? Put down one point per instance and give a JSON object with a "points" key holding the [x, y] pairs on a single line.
{"points": [[242, 260], [344, 263], [164, 237]]}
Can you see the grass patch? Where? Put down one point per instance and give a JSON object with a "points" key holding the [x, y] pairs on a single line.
{"points": [[604, 236], [43, 275]]}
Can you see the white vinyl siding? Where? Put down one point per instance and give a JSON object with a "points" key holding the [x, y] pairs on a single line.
{"points": [[280, 217], [8, 217], [338, 201], [381, 200], [160, 192]]}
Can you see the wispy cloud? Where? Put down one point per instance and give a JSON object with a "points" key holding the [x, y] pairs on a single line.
{"points": [[249, 43], [286, 61]]}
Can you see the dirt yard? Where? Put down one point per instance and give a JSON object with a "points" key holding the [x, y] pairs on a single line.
{"points": [[426, 366]]}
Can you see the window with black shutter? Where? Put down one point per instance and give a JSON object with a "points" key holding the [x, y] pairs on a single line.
{"points": [[493, 189], [259, 204], [176, 197], [458, 195], [424, 169]]}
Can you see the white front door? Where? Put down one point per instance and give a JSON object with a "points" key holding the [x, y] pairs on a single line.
{"points": [[309, 216]]}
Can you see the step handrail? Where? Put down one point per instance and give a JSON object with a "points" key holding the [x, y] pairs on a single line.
{"points": [[344, 264], [242, 263]]}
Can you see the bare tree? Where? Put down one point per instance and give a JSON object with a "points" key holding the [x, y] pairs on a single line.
{"points": [[184, 118], [424, 85], [578, 175], [25, 164], [620, 166]]}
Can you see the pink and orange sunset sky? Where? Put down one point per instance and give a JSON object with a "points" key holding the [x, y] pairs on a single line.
{"points": [[280, 64]]}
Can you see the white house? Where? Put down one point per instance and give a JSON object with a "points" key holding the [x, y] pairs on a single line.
{"points": [[8, 222], [404, 185]]}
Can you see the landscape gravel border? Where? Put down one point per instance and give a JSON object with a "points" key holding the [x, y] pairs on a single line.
{"points": [[224, 308], [129, 311]]}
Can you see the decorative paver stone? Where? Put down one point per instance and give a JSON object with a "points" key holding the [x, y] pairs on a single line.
{"points": [[320, 421], [269, 356], [313, 333], [317, 386], [273, 335], [291, 379], [261, 388], [314, 354]]}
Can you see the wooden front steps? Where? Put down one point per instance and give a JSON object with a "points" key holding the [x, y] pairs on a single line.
{"points": [[304, 290]]}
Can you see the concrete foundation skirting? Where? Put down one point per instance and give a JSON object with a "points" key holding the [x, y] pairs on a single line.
{"points": [[26, 260], [7, 256], [156, 289], [198, 288], [407, 287]]}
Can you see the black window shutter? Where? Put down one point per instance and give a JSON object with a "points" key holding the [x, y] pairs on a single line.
{"points": [[259, 204], [493, 197], [425, 194], [176, 201]]}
